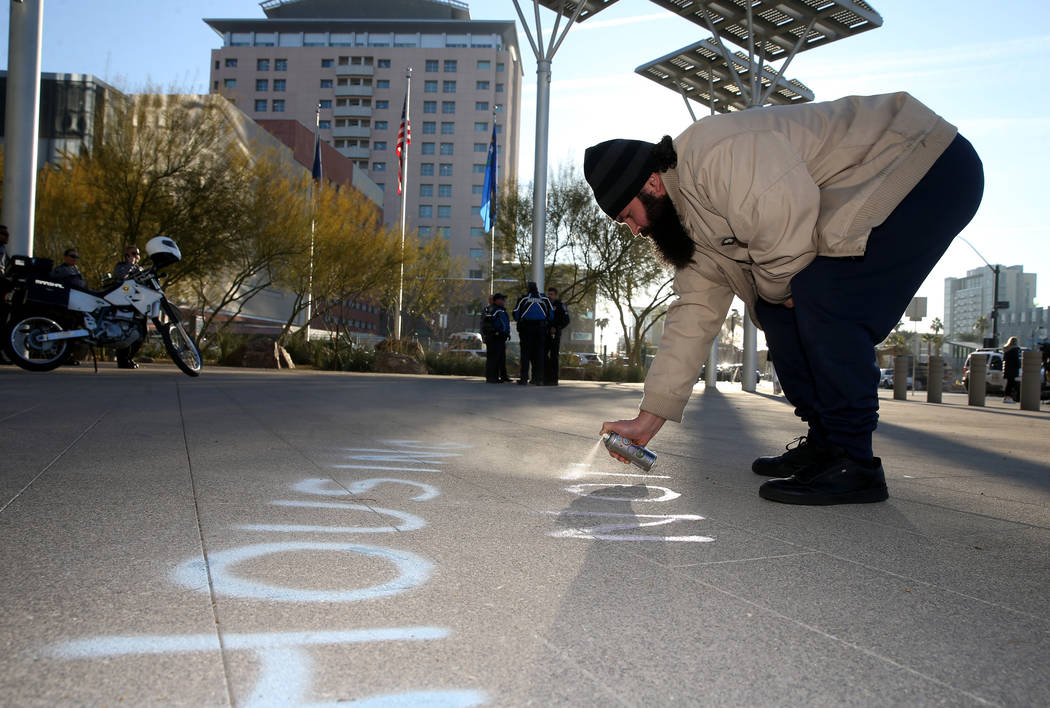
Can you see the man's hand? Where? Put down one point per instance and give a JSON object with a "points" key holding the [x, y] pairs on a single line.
{"points": [[790, 302], [640, 430]]}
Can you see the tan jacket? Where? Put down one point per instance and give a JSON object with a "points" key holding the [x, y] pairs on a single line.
{"points": [[763, 192]]}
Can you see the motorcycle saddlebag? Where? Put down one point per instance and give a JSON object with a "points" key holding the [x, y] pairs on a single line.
{"points": [[23, 268], [47, 292]]}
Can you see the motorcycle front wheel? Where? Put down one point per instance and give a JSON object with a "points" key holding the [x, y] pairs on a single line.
{"points": [[178, 342], [25, 347]]}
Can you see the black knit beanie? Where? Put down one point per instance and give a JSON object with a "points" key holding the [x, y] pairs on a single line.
{"points": [[616, 171]]}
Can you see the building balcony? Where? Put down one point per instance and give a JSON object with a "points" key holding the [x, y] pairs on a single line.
{"points": [[351, 131], [355, 153], [353, 90], [355, 70], [352, 111]]}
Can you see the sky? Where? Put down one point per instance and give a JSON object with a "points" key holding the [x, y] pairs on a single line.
{"points": [[978, 64]]}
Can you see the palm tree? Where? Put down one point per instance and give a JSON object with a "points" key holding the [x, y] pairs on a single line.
{"points": [[981, 326]]}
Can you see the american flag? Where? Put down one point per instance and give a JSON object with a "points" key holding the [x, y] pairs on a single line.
{"points": [[404, 139]]}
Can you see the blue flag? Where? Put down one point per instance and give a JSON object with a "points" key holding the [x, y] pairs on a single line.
{"points": [[488, 191], [317, 157]]}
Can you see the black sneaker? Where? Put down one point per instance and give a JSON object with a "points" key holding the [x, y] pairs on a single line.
{"points": [[797, 458], [840, 480]]}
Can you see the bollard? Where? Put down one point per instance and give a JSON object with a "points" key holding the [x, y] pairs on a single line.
{"points": [[1031, 381], [935, 379], [976, 384], [900, 378]]}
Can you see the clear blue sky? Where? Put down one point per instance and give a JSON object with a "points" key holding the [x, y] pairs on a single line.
{"points": [[976, 63]]}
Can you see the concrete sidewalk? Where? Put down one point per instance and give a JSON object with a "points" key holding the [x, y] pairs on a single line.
{"points": [[257, 538]]}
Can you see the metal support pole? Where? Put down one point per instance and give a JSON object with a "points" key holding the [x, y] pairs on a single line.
{"points": [[404, 205], [748, 380], [20, 125], [711, 377], [995, 307], [539, 175]]}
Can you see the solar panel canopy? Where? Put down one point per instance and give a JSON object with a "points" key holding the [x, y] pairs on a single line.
{"points": [[701, 72], [568, 7]]}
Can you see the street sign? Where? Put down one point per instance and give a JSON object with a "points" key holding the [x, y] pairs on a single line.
{"points": [[1002, 305], [916, 309]]}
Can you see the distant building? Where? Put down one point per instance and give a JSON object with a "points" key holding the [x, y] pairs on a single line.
{"points": [[967, 298], [350, 58]]}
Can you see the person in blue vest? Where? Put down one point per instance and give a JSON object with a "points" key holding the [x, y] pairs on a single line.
{"points": [[533, 315], [495, 329]]}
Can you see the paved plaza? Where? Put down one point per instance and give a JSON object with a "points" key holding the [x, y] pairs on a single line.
{"points": [[261, 538]]}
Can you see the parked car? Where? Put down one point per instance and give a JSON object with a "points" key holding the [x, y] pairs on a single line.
{"points": [[584, 359], [886, 379], [467, 353], [993, 379]]}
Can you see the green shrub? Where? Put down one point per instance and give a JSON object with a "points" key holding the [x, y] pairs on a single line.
{"points": [[445, 364]]}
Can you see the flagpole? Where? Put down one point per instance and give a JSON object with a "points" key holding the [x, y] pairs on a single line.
{"points": [[313, 218], [404, 203], [492, 228]]}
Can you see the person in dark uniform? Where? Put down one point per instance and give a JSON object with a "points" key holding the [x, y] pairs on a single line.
{"points": [[1011, 371], [128, 268], [533, 314], [496, 341], [67, 271], [552, 342]]}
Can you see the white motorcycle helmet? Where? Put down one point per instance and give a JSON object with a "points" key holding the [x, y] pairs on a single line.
{"points": [[163, 251]]}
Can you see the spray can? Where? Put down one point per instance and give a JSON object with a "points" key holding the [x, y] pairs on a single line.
{"points": [[638, 455]]}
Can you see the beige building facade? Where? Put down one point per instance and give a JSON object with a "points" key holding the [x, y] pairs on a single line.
{"points": [[344, 66]]}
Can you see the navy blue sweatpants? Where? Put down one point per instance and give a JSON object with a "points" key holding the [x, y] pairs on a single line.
{"points": [[824, 347]]}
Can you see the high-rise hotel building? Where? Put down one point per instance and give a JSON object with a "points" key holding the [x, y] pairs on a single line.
{"points": [[351, 58]]}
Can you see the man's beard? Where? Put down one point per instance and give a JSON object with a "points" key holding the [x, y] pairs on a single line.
{"points": [[673, 245]]}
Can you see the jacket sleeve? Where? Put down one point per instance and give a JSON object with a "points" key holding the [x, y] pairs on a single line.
{"points": [[692, 322], [759, 184]]}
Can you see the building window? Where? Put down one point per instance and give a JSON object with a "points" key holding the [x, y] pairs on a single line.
{"points": [[482, 86], [325, 103], [326, 63], [382, 105], [383, 63], [445, 190], [229, 83], [379, 167], [429, 127], [484, 64], [427, 149], [426, 190], [477, 189], [445, 212], [424, 231], [500, 67], [260, 105], [426, 169], [325, 125], [481, 105], [445, 170], [444, 232], [278, 106], [481, 127], [326, 83], [477, 253], [499, 88], [230, 64], [477, 231], [448, 87], [379, 145], [481, 147], [380, 125], [450, 66], [262, 64], [279, 84], [475, 211], [430, 107], [280, 65], [479, 169], [448, 107], [382, 83], [430, 87], [262, 85], [447, 148], [474, 274], [432, 65], [426, 211]]}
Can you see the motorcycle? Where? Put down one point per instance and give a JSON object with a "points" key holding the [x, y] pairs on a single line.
{"points": [[47, 317]]}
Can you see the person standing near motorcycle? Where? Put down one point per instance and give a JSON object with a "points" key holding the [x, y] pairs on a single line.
{"points": [[68, 272], [4, 236], [126, 269]]}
